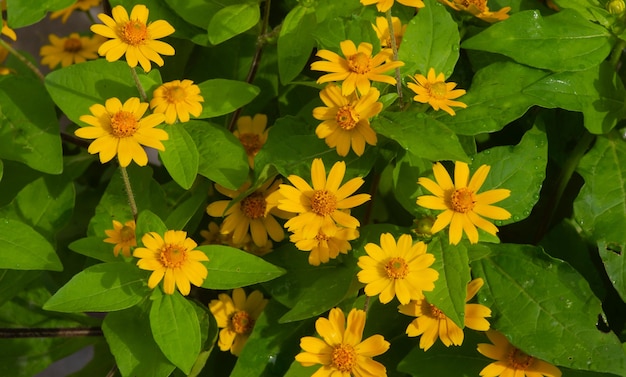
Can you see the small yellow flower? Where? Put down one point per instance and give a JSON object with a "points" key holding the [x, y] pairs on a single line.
{"points": [[385, 5], [120, 130], [133, 36], [341, 351], [177, 99], [462, 204], [382, 31], [252, 134], [236, 317], [511, 361], [171, 258], [65, 13], [435, 91], [401, 270], [431, 323], [327, 244], [70, 50], [358, 67], [6, 30], [122, 236], [478, 8]]}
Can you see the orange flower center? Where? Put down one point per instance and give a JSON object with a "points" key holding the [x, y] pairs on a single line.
{"points": [[127, 234], [519, 360], [347, 118], [175, 94], [323, 203], [344, 358], [359, 63], [462, 200], [241, 323], [134, 33], [321, 237], [173, 256], [480, 4], [253, 206], [438, 90], [251, 143], [436, 313], [72, 45], [396, 268], [124, 124]]}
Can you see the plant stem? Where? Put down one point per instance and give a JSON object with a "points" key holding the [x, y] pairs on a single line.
{"points": [[129, 192], [142, 91], [616, 54], [394, 48], [50, 332], [370, 205], [22, 59]]}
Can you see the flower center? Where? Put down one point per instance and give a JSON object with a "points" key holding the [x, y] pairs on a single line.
{"points": [[241, 323], [323, 203], [124, 124], [396, 268], [480, 4], [347, 118], [173, 256], [134, 33], [127, 234], [438, 90], [519, 360], [72, 45], [344, 358], [462, 200], [253, 206], [321, 237], [359, 63], [251, 143], [175, 94], [436, 313]]}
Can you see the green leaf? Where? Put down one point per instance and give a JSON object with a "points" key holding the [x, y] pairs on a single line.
{"points": [[233, 20], [223, 96], [564, 41], [615, 264], [406, 172], [232, 268], [209, 333], [295, 42], [23, 248], [194, 11], [189, 205], [13, 282], [96, 248], [180, 156], [22, 13], [104, 287], [148, 222], [29, 129], [176, 330], [547, 309]]}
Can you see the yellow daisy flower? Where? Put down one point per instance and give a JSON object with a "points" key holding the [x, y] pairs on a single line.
{"points": [[511, 361], [326, 244], [478, 8], [401, 270], [70, 50], [462, 205], [120, 130], [358, 67], [435, 91], [326, 202], [122, 236], [341, 351], [385, 5], [346, 119], [134, 37], [172, 258], [382, 31], [65, 13], [6, 30], [236, 317], [177, 99], [431, 323], [252, 134]]}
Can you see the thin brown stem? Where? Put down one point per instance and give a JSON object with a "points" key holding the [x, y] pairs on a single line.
{"points": [[50, 332], [142, 91], [129, 192], [394, 48], [21, 57]]}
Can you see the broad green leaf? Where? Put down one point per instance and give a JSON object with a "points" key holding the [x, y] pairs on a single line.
{"points": [[22, 248], [564, 41], [189, 205], [408, 169], [148, 222], [332, 31], [14, 281], [431, 40], [104, 287], [232, 268], [615, 264], [295, 42], [233, 20], [176, 330], [29, 129], [546, 309], [592, 10], [194, 11], [180, 156], [96, 248], [22, 13], [209, 333], [223, 96]]}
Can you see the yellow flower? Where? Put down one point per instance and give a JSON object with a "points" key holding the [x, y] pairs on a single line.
{"points": [[327, 244], [346, 119], [341, 351], [177, 99], [252, 214], [478, 8], [324, 203], [83, 5], [431, 323], [134, 37], [401, 270], [122, 236], [6, 30], [173, 260], [3, 56], [252, 134], [462, 205], [435, 91], [385, 5], [358, 67], [236, 318], [70, 50], [382, 31], [512, 361], [120, 130]]}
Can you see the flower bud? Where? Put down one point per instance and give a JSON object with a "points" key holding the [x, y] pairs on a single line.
{"points": [[616, 6]]}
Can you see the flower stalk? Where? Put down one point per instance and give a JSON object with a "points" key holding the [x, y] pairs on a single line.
{"points": [[129, 192], [394, 48]]}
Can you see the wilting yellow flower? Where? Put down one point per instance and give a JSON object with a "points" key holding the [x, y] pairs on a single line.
{"points": [[177, 99], [65, 13], [236, 318], [511, 361], [120, 130], [122, 236], [431, 323], [385, 5], [435, 91], [134, 37], [172, 258], [325, 203], [401, 270], [358, 67], [382, 31], [462, 205], [327, 244], [252, 134], [6, 30], [341, 351], [478, 8], [70, 50], [346, 119]]}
